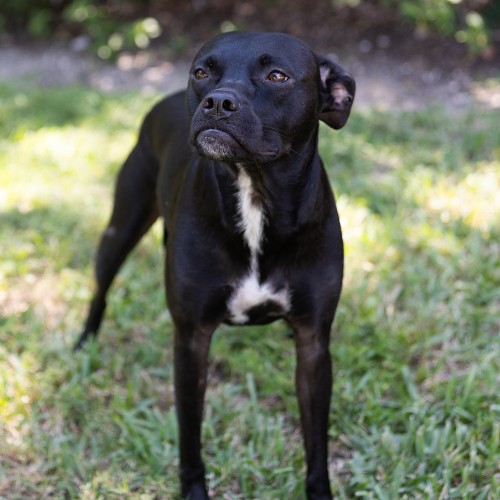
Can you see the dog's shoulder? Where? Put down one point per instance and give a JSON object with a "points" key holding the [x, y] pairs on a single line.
{"points": [[172, 106]]}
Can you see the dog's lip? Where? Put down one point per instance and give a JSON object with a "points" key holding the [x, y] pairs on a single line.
{"points": [[216, 136], [217, 144]]}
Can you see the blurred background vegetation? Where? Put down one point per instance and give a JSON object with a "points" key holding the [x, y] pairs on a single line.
{"points": [[109, 26]]}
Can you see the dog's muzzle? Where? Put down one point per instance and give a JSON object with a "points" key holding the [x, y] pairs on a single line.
{"points": [[217, 145]]}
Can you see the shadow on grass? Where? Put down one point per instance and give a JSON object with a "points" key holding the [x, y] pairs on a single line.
{"points": [[56, 236]]}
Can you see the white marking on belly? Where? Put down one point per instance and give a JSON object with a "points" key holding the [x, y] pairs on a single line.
{"points": [[249, 292]]}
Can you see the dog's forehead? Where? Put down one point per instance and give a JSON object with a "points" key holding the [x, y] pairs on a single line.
{"points": [[247, 46]]}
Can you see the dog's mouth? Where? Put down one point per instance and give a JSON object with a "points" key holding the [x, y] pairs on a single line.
{"points": [[217, 145], [220, 145]]}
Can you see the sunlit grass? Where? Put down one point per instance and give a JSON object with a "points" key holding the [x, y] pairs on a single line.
{"points": [[415, 409], [473, 199]]}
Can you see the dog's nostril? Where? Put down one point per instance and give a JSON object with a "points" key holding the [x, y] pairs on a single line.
{"points": [[229, 105], [208, 103], [220, 104]]}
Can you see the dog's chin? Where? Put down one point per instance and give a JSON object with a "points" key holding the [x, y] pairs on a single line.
{"points": [[218, 145]]}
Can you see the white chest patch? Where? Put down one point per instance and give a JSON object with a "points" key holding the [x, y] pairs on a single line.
{"points": [[250, 292], [251, 214]]}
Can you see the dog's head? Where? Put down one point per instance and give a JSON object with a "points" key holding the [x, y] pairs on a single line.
{"points": [[258, 96]]}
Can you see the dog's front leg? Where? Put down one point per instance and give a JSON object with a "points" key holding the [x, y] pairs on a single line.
{"points": [[314, 383], [191, 360]]}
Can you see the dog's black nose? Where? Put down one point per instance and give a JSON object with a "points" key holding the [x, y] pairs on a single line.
{"points": [[220, 104]]}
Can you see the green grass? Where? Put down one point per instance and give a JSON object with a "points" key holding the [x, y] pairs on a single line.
{"points": [[415, 411]]}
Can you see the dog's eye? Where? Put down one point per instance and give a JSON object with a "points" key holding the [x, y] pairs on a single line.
{"points": [[277, 77], [199, 74]]}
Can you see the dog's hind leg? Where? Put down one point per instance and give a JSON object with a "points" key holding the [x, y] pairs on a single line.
{"points": [[134, 212]]}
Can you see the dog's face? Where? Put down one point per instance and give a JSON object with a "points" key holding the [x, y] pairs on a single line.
{"points": [[259, 96]]}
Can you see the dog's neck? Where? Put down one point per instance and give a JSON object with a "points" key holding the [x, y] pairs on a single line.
{"points": [[280, 196], [260, 200]]}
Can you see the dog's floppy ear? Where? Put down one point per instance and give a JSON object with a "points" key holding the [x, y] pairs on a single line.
{"points": [[336, 93]]}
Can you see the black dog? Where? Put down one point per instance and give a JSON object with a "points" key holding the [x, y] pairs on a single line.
{"points": [[252, 233]]}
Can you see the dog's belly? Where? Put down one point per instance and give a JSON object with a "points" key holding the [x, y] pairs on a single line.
{"points": [[256, 303]]}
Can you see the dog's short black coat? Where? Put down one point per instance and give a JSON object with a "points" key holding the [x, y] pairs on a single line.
{"points": [[251, 228]]}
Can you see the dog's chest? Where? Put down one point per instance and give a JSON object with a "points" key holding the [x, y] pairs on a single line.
{"points": [[253, 300]]}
